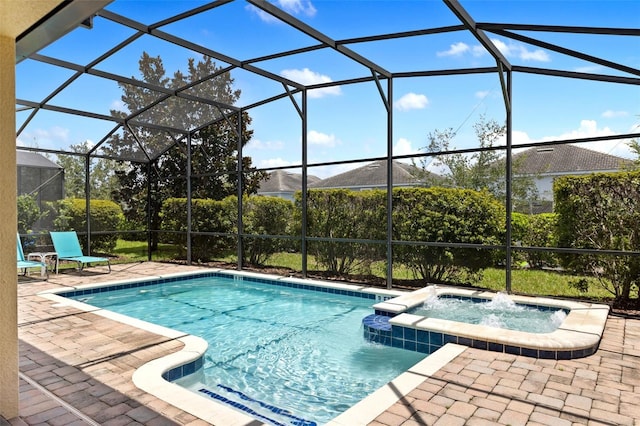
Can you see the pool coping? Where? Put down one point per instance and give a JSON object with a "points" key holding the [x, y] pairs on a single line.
{"points": [[580, 332], [150, 376]]}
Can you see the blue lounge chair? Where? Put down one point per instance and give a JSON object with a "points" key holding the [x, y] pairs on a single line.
{"points": [[24, 264], [67, 245]]}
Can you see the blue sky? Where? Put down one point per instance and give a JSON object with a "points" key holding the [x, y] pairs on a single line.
{"points": [[348, 122]]}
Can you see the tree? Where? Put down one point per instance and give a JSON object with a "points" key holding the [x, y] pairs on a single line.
{"points": [[28, 213], [214, 149], [601, 211], [634, 145], [481, 170], [102, 177]]}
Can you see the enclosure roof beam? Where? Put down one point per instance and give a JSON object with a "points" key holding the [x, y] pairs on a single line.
{"points": [[151, 30], [471, 25], [578, 75], [131, 81], [311, 32], [390, 36], [568, 52], [559, 29], [190, 13]]}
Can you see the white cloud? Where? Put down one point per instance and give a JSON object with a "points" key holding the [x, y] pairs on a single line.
{"points": [[118, 105], [457, 49], [324, 172], [537, 55], [274, 162], [519, 137], [613, 114], [322, 139], [411, 101], [478, 50], [264, 16], [266, 145], [512, 49], [55, 136], [298, 7], [403, 147], [590, 69], [587, 129], [520, 51], [307, 77], [481, 94], [293, 7]]}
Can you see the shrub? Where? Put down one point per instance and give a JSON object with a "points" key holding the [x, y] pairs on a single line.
{"points": [[262, 215], [520, 224], [534, 231], [105, 215], [216, 216], [601, 211], [542, 232], [342, 213], [446, 215], [28, 213]]}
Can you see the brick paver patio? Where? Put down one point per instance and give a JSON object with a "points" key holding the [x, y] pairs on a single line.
{"points": [[76, 369]]}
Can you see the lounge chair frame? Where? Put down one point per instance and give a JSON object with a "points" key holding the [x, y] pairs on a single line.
{"points": [[67, 245], [25, 263]]}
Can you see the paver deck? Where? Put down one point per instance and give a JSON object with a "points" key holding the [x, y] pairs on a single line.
{"points": [[76, 369]]}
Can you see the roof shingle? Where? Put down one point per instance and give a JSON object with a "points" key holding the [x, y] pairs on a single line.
{"points": [[372, 175], [283, 181], [564, 159]]}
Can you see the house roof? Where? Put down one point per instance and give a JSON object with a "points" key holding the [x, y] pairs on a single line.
{"points": [[33, 159], [283, 181], [565, 159], [373, 175]]}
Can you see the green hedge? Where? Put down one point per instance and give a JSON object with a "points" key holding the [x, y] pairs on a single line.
{"points": [[342, 213], [601, 211], [105, 216], [538, 230], [446, 215], [28, 212], [206, 216], [261, 216]]}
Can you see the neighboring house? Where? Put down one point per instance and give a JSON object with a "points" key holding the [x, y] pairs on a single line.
{"points": [[40, 177], [283, 184], [373, 176], [544, 164]]}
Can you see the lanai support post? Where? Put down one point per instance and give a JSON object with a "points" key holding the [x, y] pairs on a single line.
{"points": [[239, 169], [389, 183], [8, 276], [188, 172], [509, 182]]}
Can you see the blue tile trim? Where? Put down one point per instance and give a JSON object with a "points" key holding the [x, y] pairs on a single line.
{"points": [[428, 341], [385, 313], [282, 283], [290, 418], [183, 370], [377, 329]]}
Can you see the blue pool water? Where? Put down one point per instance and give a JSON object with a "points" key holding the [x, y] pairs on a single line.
{"points": [[296, 356]]}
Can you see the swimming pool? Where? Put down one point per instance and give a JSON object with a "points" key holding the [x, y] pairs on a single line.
{"points": [[287, 353]]}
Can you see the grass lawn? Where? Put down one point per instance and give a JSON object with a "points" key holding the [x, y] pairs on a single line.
{"points": [[524, 281], [136, 251]]}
